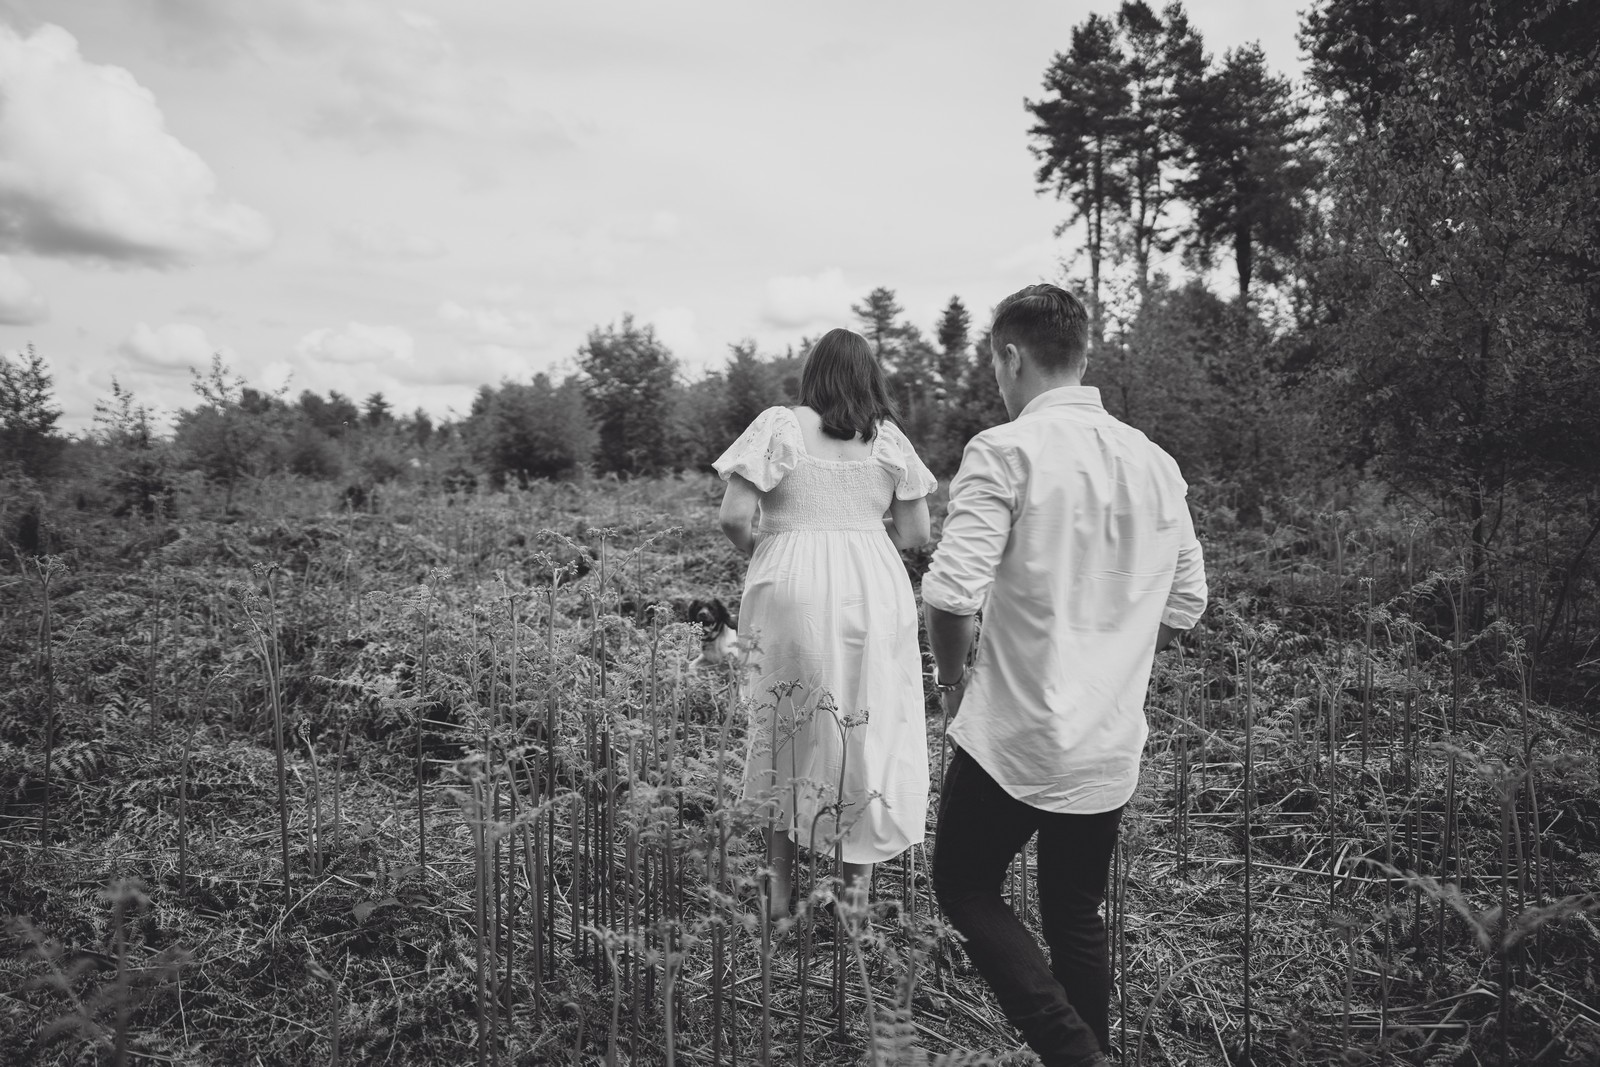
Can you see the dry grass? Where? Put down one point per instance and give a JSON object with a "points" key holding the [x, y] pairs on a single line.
{"points": [[562, 875]]}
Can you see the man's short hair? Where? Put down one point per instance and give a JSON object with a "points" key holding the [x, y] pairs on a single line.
{"points": [[1046, 320]]}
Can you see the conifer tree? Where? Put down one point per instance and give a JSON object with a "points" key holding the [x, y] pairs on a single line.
{"points": [[1081, 124], [1165, 56], [27, 413], [954, 333], [1249, 166]]}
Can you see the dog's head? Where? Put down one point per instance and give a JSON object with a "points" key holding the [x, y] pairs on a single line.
{"points": [[711, 616]]}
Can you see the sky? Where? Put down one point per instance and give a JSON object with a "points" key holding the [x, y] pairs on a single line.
{"points": [[420, 197]]}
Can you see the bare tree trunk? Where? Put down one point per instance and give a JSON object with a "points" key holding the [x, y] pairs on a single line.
{"points": [[1243, 257]]}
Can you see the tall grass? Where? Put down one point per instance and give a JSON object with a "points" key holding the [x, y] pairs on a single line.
{"points": [[623, 917]]}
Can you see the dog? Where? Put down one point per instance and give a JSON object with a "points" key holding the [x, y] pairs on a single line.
{"points": [[720, 644]]}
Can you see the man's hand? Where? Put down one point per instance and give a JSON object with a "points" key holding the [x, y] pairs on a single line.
{"points": [[952, 699], [1165, 636]]}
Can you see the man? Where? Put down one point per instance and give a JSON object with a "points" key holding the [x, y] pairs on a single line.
{"points": [[1070, 530]]}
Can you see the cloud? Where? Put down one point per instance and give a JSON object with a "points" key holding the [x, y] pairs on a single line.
{"points": [[20, 302], [1038, 259], [488, 324], [804, 300], [659, 227], [389, 242], [676, 328], [472, 366], [400, 77], [170, 349], [208, 29], [356, 342], [88, 169], [392, 75]]}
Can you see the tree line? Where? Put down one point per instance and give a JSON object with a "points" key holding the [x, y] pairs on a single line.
{"points": [[1388, 273], [627, 410]]}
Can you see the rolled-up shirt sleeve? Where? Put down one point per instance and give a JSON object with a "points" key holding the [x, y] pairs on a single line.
{"points": [[983, 498], [1187, 600]]}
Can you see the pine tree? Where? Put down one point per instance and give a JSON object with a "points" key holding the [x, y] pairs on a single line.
{"points": [[233, 432], [954, 333], [1082, 123], [376, 411], [879, 316], [1165, 55], [137, 475], [28, 413], [1250, 167]]}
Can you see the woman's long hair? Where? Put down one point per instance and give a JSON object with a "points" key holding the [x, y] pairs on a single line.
{"points": [[843, 383]]}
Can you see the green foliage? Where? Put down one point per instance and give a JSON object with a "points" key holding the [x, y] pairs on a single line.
{"points": [[383, 455], [880, 320], [234, 433], [971, 407], [1249, 172], [954, 334], [1164, 57], [28, 413], [138, 465], [1199, 376], [628, 378], [700, 408], [543, 709], [1358, 49], [1460, 289], [377, 411], [750, 386], [532, 430], [1078, 136], [333, 416], [313, 454]]}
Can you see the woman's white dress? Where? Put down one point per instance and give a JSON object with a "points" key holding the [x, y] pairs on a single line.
{"points": [[829, 606]]}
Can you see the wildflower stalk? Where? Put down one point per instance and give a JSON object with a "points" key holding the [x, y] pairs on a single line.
{"points": [[549, 776], [475, 814], [422, 716], [150, 666], [47, 567], [516, 831], [1249, 751], [266, 645]]}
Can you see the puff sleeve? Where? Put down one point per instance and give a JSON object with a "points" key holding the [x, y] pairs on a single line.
{"points": [[764, 453], [912, 479]]}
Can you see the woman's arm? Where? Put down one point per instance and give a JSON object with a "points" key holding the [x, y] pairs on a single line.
{"points": [[738, 515], [908, 523]]}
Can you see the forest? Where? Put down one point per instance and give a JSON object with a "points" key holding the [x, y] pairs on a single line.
{"points": [[333, 732]]}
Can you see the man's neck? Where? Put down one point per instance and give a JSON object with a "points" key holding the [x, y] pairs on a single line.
{"points": [[1035, 385]]}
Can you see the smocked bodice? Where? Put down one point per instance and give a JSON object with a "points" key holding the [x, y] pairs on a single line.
{"points": [[820, 494], [803, 492]]}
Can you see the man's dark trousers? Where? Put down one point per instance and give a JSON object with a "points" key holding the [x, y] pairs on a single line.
{"points": [[1062, 1008]]}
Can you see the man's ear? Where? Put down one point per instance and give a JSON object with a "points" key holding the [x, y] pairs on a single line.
{"points": [[1011, 358]]}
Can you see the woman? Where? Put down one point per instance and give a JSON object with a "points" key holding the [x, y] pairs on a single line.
{"points": [[828, 603]]}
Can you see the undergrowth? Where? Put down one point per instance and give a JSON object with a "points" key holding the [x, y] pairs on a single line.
{"points": [[506, 825]]}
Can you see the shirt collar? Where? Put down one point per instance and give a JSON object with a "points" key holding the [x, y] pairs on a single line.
{"points": [[1065, 395]]}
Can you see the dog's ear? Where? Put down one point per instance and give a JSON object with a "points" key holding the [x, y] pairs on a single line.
{"points": [[720, 611]]}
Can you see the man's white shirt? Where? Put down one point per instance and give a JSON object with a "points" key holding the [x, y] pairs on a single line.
{"points": [[1071, 531]]}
